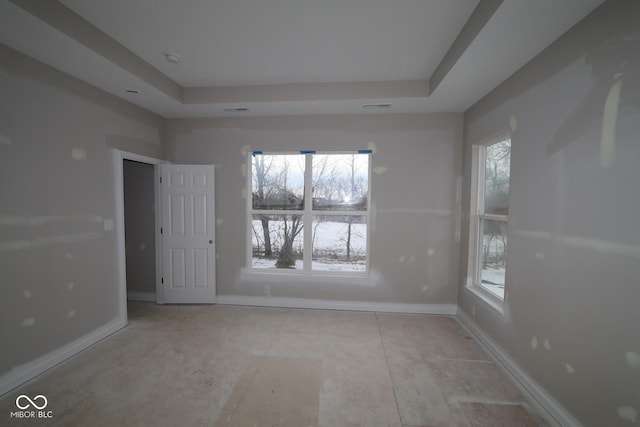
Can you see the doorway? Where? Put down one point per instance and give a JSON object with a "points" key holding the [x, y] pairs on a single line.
{"points": [[198, 268], [119, 158], [139, 226]]}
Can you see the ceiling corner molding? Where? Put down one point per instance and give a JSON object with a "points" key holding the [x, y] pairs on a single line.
{"points": [[65, 20], [476, 22], [453, 52], [306, 92]]}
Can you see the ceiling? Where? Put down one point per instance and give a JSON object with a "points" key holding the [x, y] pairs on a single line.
{"points": [[289, 57]]}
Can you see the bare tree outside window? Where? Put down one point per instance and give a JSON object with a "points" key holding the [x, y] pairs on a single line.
{"points": [[493, 218], [277, 186], [497, 173]]}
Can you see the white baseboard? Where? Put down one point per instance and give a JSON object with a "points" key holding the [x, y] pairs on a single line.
{"points": [[384, 307], [25, 372], [539, 398], [141, 296]]}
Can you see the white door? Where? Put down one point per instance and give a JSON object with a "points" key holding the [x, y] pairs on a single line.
{"points": [[187, 234]]}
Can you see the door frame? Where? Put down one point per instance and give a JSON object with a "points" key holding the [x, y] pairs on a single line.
{"points": [[119, 156]]}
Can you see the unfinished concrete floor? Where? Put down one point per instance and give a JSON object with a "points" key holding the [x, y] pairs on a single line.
{"points": [[251, 366]]}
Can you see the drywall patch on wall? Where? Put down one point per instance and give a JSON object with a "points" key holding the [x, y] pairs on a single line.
{"points": [[633, 359], [71, 313], [570, 369], [373, 147], [136, 145], [513, 123], [599, 245], [609, 119], [434, 212], [628, 413], [143, 246], [244, 151], [70, 286], [219, 222], [40, 242], [29, 321], [534, 343], [68, 256], [27, 293], [379, 170], [78, 153], [546, 344], [406, 259], [42, 220], [4, 140]]}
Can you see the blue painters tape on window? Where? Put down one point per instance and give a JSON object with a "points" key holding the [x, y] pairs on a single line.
{"points": [[256, 153], [307, 151], [365, 151]]}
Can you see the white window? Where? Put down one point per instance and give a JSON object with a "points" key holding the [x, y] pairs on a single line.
{"points": [[327, 232], [490, 215]]}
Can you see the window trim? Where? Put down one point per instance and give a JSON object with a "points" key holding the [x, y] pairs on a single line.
{"points": [[307, 213], [477, 215]]}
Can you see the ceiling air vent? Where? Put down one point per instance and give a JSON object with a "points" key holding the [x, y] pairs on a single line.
{"points": [[376, 106]]}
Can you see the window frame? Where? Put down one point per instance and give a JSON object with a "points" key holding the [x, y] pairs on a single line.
{"points": [[477, 218], [307, 213]]}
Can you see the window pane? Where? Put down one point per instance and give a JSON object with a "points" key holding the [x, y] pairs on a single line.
{"points": [[339, 243], [340, 182], [493, 255], [276, 241], [278, 181], [496, 178]]}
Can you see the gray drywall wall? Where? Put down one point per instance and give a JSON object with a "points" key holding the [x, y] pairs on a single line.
{"points": [[139, 224], [58, 265], [416, 162], [573, 264]]}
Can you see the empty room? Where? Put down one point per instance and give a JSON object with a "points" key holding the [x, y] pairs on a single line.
{"points": [[324, 213]]}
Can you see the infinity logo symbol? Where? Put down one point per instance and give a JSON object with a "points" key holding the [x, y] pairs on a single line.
{"points": [[30, 402]]}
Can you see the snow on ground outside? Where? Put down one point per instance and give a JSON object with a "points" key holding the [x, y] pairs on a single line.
{"points": [[329, 237], [494, 275], [271, 263]]}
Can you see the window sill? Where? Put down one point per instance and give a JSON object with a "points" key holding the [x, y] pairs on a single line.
{"points": [[279, 276], [489, 299]]}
